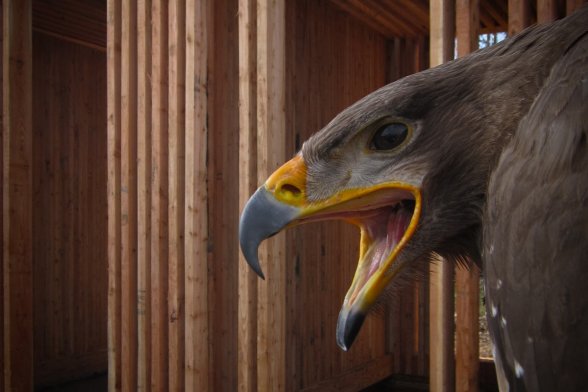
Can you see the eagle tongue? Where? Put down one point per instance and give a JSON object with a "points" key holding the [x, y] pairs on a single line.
{"points": [[385, 241]]}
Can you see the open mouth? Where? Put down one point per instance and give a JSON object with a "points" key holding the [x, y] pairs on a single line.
{"points": [[387, 215], [382, 231], [383, 217]]}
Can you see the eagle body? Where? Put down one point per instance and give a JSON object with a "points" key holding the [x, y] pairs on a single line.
{"points": [[482, 159], [536, 237]]}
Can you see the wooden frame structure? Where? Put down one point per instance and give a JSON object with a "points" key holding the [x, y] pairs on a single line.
{"points": [[202, 101]]}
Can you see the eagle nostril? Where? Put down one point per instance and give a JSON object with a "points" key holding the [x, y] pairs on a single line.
{"points": [[289, 191]]}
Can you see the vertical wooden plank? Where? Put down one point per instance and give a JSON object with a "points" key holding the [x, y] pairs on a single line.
{"points": [[176, 134], [441, 327], [247, 332], [519, 16], [113, 51], [196, 211], [17, 196], [159, 197], [129, 194], [271, 357], [144, 193], [546, 11], [467, 281], [114, 167]]}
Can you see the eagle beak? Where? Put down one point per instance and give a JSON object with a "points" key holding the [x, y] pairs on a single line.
{"points": [[271, 208], [387, 215]]}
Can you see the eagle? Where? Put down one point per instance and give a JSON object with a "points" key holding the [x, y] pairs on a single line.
{"points": [[480, 160]]}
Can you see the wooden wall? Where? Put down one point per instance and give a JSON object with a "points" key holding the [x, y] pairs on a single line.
{"points": [[173, 143], [334, 60], [69, 209], [173, 191]]}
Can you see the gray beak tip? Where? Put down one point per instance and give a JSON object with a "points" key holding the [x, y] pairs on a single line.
{"points": [[262, 217], [348, 325]]}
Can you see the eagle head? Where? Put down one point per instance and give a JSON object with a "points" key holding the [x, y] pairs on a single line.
{"points": [[409, 165]]}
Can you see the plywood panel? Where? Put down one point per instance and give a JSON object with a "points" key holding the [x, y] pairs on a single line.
{"points": [[69, 201], [17, 179], [223, 188]]}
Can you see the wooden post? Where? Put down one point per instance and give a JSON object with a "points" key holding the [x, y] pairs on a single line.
{"points": [[247, 312], [467, 281], [196, 193], [441, 324], [271, 356], [17, 177], [519, 16]]}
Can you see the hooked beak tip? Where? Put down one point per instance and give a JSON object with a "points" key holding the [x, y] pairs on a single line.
{"points": [[348, 325], [262, 217]]}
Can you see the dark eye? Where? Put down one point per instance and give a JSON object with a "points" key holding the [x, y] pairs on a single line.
{"points": [[389, 136]]}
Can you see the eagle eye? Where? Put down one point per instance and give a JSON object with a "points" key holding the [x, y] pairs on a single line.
{"points": [[389, 136]]}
